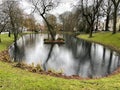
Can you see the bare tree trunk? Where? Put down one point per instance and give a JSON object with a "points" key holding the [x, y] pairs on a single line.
{"points": [[91, 30], [9, 34], [116, 7], [119, 27], [0, 37], [15, 47], [107, 23], [15, 42], [109, 6], [49, 28], [114, 20], [96, 29], [15, 39]]}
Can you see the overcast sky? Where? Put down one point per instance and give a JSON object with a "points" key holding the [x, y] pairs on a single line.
{"points": [[65, 5]]}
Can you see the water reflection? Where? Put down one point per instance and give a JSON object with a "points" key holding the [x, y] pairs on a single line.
{"points": [[75, 57]]}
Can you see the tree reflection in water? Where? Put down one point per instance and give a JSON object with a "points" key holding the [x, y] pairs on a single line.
{"points": [[75, 57]]}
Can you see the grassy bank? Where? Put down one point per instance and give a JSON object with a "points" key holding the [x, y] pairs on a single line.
{"points": [[16, 79], [105, 38], [12, 78], [5, 41]]}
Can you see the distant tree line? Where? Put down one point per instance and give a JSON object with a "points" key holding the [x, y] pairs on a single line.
{"points": [[86, 15]]}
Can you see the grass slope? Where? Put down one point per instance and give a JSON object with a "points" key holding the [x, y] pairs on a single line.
{"points": [[16, 79], [106, 38], [5, 41], [12, 78]]}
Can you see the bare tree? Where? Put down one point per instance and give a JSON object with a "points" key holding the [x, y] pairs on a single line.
{"points": [[42, 7], [69, 20], [116, 6], [90, 9], [82, 24], [3, 20], [52, 20], [66, 18], [107, 9], [62, 20], [14, 13]]}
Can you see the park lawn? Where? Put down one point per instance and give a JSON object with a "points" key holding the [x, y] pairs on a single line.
{"points": [[105, 38], [5, 41], [12, 78]]}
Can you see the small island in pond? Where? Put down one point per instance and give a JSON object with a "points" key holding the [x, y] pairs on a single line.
{"points": [[58, 41]]}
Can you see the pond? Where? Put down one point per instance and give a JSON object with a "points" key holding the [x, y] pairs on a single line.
{"points": [[75, 57]]}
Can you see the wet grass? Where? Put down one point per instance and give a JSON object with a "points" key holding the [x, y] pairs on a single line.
{"points": [[12, 78]]}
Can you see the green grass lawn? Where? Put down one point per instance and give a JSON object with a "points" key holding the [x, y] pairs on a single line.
{"points": [[12, 78], [106, 38], [16, 79], [5, 41]]}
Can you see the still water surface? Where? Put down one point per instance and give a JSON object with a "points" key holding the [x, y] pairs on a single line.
{"points": [[75, 57]]}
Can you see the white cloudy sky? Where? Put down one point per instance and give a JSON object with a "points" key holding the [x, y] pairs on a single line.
{"points": [[65, 5]]}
